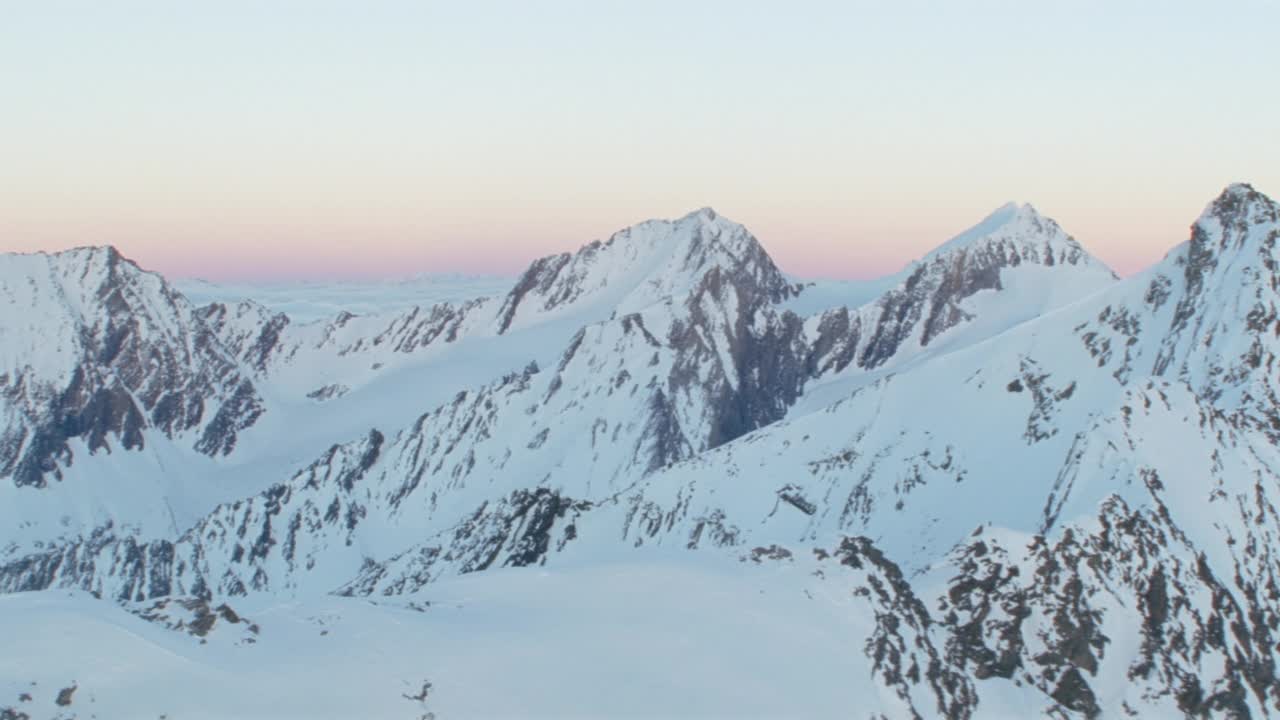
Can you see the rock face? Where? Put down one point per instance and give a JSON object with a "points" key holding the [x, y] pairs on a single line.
{"points": [[101, 352], [1061, 615], [1034, 488]]}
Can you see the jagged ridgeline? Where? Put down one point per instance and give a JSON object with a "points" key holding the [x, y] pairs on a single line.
{"points": [[1032, 487]]}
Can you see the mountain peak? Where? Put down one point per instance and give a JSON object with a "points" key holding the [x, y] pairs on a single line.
{"points": [[1231, 221], [84, 255], [1240, 202], [101, 265], [107, 254], [121, 353], [1238, 189], [78, 274], [644, 264], [706, 214], [89, 251], [1022, 234]]}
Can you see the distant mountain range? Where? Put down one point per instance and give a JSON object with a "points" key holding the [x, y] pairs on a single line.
{"points": [[307, 301], [1001, 483]]}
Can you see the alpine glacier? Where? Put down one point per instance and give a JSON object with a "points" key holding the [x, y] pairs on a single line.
{"points": [[656, 476]]}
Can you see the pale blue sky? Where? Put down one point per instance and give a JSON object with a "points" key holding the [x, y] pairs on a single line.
{"points": [[240, 139]]}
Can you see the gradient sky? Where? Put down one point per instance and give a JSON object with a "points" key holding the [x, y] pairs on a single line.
{"points": [[274, 139]]}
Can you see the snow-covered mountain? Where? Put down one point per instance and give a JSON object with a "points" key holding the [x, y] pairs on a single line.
{"points": [[1013, 266], [97, 350], [1010, 483]]}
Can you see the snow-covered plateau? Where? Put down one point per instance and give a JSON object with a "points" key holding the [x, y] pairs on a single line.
{"points": [[656, 477]]}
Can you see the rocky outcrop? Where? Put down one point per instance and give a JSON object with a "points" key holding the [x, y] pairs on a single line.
{"points": [[106, 564], [517, 531], [1060, 614], [196, 617], [903, 647]]}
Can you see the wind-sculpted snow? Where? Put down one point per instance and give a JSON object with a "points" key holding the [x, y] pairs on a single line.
{"points": [[1024, 487]]}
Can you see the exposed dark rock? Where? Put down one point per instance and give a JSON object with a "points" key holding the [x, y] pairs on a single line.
{"points": [[538, 278], [64, 696], [328, 392], [928, 302], [792, 496], [901, 648], [776, 553], [192, 615], [519, 530]]}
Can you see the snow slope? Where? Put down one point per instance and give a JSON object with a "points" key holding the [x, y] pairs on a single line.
{"points": [[641, 639], [1008, 485]]}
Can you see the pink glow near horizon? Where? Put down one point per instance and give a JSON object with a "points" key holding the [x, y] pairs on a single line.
{"points": [[825, 247], [248, 140]]}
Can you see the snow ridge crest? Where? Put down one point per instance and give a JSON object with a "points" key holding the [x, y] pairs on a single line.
{"points": [[644, 264]]}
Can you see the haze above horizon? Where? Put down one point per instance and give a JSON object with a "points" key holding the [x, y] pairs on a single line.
{"points": [[325, 139]]}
